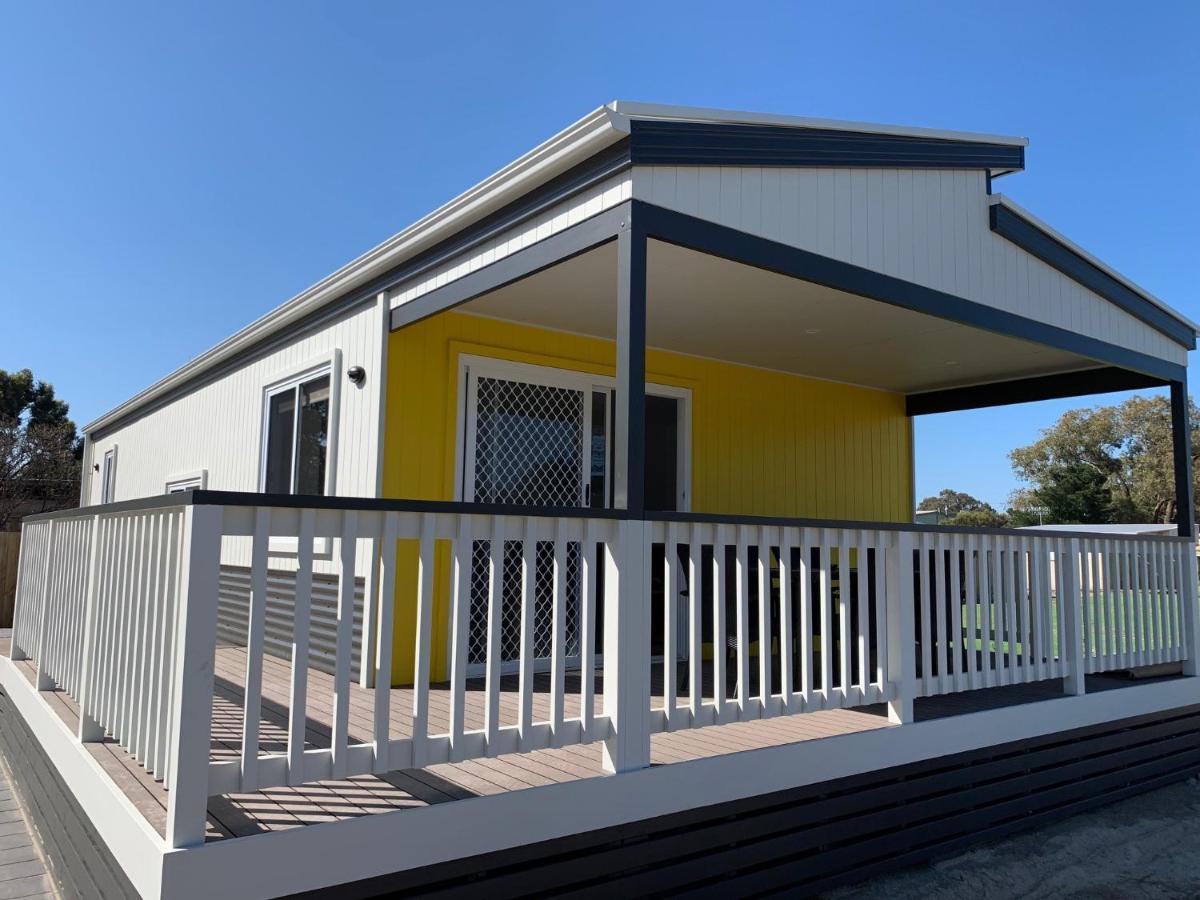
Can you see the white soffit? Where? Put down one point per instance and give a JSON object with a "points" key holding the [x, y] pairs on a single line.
{"points": [[705, 306]]}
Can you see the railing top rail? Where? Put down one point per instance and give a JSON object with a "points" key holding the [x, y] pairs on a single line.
{"points": [[379, 504], [852, 524]]}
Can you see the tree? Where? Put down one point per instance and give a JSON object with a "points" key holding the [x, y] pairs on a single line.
{"points": [[950, 503], [39, 449], [958, 508], [987, 517], [1128, 450], [1076, 494]]}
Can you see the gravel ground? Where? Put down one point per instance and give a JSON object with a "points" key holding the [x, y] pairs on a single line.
{"points": [[1144, 847]]}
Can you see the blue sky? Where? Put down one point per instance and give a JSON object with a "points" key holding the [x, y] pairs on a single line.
{"points": [[168, 173]]}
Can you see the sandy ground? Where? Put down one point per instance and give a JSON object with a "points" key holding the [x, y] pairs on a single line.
{"points": [[1144, 847]]}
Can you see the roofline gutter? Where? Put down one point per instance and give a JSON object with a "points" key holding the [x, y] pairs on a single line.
{"points": [[590, 134]]}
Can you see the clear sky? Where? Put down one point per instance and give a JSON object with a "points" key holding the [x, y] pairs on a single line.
{"points": [[170, 172]]}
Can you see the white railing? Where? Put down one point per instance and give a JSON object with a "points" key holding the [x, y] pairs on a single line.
{"points": [[986, 612], [799, 620], [118, 607]]}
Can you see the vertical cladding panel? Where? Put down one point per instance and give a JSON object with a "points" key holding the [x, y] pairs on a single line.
{"points": [[762, 442], [218, 426], [590, 202], [927, 226]]}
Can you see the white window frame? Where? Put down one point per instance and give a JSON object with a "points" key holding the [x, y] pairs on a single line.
{"points": [[108, 475], [551, 376], [177, 484], [328, 364]]}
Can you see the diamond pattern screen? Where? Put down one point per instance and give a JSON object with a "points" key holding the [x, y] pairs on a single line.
{"points": [[529, 446]]}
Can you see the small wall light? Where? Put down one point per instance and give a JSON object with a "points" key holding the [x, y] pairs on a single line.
{"points": [[357, 374]]}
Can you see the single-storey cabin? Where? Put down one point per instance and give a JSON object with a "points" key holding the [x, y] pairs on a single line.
{"points": [[606, 467]]}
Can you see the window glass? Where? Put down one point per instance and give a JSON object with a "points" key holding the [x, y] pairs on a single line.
{"points": [[281, 430], [107, 477], [312, 436], [598, 496]]}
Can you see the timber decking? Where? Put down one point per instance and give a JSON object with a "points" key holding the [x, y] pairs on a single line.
{"points": [[272, 809]]}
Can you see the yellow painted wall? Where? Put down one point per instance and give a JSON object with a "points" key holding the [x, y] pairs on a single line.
{"points": [[763, 442]]}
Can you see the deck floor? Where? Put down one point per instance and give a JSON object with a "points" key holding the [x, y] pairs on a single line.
{"points": [[289, 807]]}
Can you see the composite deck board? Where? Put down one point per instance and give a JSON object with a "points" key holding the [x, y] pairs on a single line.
{"points": [[278, 808]]}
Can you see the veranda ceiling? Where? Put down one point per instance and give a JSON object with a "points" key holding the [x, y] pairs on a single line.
{"points": [[707, 306]]}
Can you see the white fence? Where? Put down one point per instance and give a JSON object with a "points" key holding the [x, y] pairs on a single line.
{"points": [[118, 607]]}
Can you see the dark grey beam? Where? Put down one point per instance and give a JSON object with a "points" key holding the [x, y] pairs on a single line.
{"points": [[629, 477], [1181, 444], [1047, 248], [738, 246], [557, 248], [1027, 390]]}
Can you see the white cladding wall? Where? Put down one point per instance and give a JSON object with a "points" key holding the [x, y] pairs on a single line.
{"points": [[605, 195], [925, 226], [218, 426]]}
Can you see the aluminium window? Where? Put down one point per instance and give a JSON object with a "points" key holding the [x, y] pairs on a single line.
{"points": [[193, 481], [296, 449], [108, 476]]}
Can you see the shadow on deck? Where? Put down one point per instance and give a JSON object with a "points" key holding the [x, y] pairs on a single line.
{"points": [[278, 808]]}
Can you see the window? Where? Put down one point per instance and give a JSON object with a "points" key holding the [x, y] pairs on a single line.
{"points": [[296, 450], [193, 481], [108, 476]]}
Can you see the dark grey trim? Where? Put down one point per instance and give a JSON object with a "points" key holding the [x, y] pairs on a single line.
{"points": [[1029, 237], [1027, 390], [375, 504], [803, 841], [558, 248], [630, 491], [1181, 445], [729, 243], [79, 861], [576, 180], [656, 143]]}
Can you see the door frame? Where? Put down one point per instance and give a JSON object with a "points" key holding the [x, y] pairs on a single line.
{"points": [[552, 376]]}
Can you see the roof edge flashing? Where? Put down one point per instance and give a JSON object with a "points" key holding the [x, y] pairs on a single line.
{"points": [[635, 110], [583, 138]]}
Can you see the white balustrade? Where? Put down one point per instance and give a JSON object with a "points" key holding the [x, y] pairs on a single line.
{"points": [[117, 607]]}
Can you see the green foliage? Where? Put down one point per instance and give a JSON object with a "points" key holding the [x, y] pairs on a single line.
{"points": [[39, 449], [987, 517], [31, 401], [951, 503], [1076, 494], [957, 508], [1126, 451]]}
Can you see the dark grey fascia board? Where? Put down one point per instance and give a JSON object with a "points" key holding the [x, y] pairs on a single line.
{"points": [[739, 246], [1033, 240], [1103, 380], [658, 143], [591, 171], [566, 244]]}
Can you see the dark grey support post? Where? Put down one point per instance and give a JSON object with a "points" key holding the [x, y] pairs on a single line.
{"points": [[629, 433], [1181, 440]]}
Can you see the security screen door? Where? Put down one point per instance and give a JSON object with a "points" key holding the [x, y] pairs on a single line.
{"points": [[533, 437]]}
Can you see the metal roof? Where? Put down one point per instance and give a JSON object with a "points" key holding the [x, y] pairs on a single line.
{"points": [[591, 134]]}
